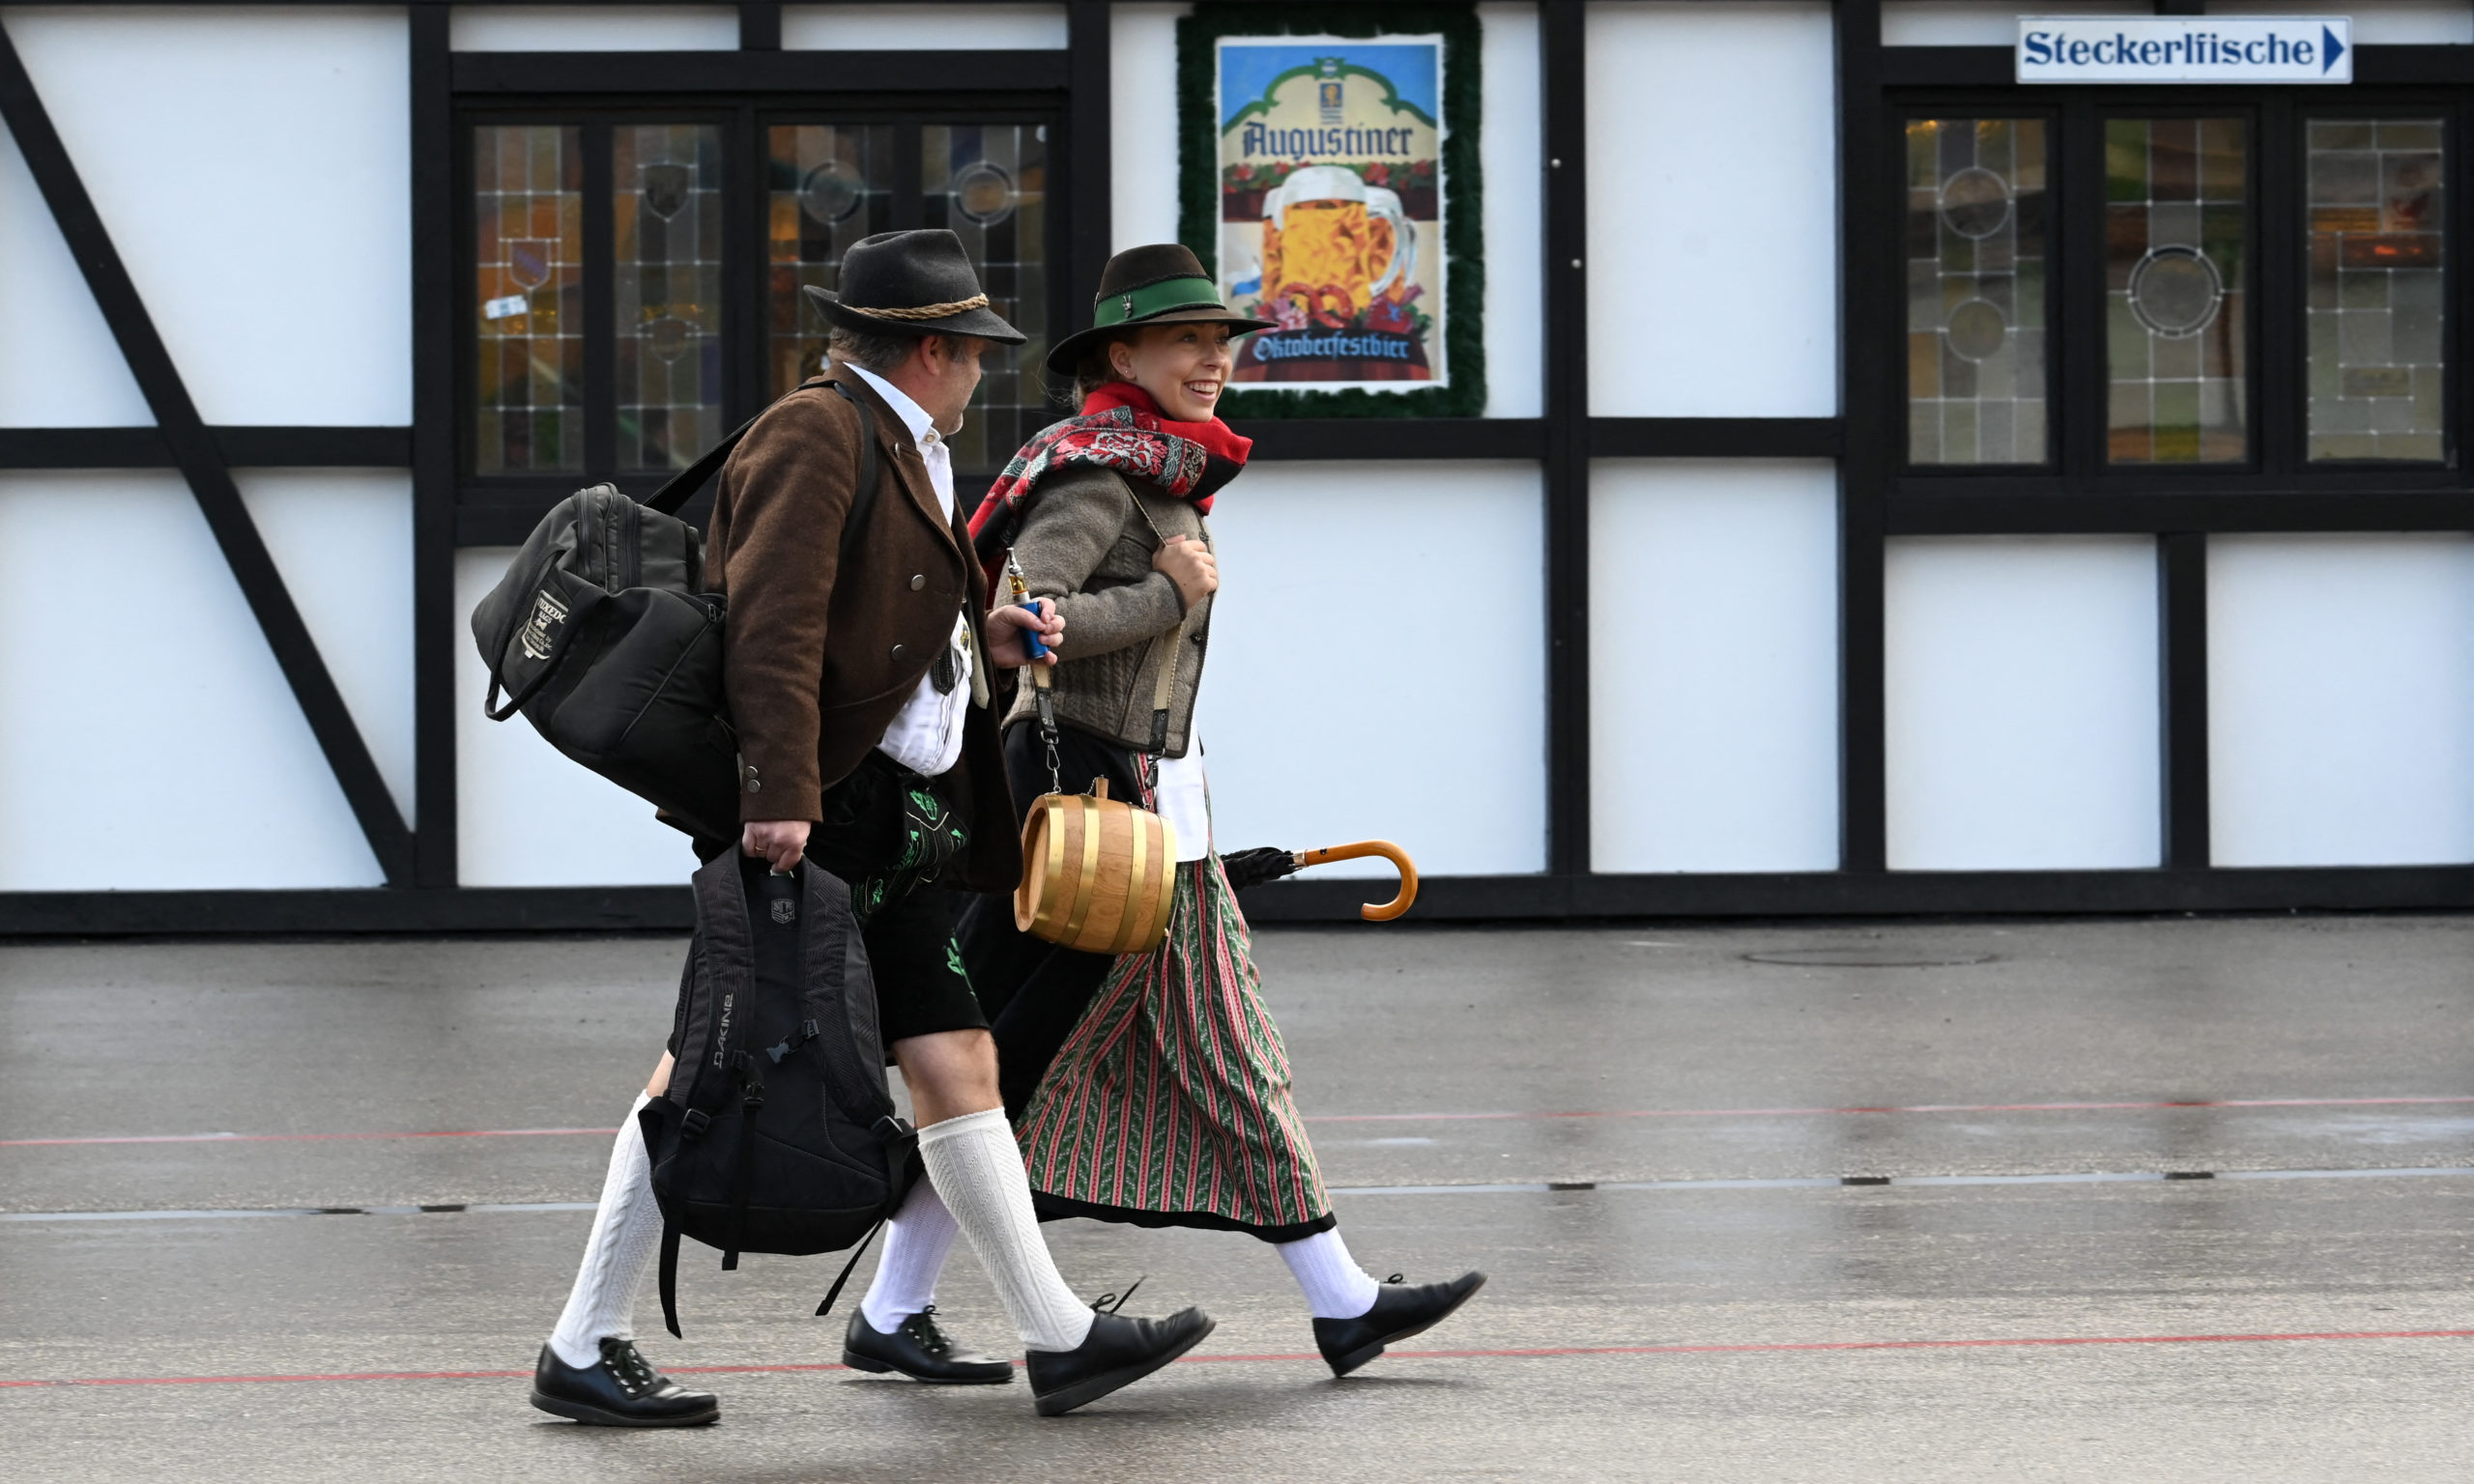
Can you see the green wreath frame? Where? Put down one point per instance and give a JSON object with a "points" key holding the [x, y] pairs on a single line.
{"points": [[1464, 293]]}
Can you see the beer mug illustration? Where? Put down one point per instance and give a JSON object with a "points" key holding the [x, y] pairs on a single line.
{"points": [[1324, 228]]}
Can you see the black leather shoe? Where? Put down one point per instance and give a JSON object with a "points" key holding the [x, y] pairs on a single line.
{"points": [[622, 1390], [919, 1349], [1116, 1353], [1400, 1310]]}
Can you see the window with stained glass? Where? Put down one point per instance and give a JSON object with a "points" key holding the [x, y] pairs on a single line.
{"points": [[989, 182], [666, 182], [609, 311], [2377, 231], [2178, 232], [1976, 291], [528, 288]]}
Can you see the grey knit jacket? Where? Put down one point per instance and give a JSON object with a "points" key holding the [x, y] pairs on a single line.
{"points": [[1089, 546]]}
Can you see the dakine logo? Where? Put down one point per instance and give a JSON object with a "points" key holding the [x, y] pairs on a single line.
{"points": [[548, 613], [722, 1037], [786, 911]]}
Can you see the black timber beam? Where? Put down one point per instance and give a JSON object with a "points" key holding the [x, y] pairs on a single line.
{"points": [[241, 447], [201, 462], [1714, 438], [936, 74]]}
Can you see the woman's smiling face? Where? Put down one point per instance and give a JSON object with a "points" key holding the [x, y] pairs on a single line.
{"points": [[1183, 366]]}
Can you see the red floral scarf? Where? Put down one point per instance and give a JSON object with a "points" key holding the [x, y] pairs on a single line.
{"points": [[1119, 428]]}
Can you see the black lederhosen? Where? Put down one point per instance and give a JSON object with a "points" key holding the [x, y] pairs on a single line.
{"points": [[889, 833], [1034, 990]]}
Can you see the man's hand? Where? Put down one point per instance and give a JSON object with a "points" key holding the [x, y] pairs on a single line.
{"points": [[1190, 566], [1004, 633], [778, 842]]}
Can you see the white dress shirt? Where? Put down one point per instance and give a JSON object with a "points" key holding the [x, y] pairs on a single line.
{"points": [[926, 735]]}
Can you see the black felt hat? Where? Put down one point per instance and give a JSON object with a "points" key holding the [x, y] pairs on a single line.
{"points": [[1161, 284], [912, 283]]}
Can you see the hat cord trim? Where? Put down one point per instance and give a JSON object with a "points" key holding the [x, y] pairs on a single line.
{"points": [[923, 311]]}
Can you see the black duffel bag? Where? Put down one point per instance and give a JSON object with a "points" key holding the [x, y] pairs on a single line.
{"points": [[602, 635]]}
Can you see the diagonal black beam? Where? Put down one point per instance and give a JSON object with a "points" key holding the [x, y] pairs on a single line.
{"points": [[201, 463]]}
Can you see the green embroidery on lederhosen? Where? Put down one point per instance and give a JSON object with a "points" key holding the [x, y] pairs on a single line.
{"points": [[932, 835]]}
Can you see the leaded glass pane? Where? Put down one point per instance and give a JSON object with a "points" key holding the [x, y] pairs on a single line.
{"points": [[528, 255], [828, 185], [989, 184], [1976, 291], [2178, 228], [665, 192], [2377, 236]]}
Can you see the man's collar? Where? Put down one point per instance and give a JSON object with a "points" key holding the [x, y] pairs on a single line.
{"points": [[913, 416]]}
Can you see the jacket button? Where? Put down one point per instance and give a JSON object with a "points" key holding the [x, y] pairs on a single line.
{"points": [[897, 651], [918, 580], [755, 785]]}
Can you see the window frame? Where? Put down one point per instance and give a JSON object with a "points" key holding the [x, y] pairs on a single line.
{"points": [[2277, 331]]}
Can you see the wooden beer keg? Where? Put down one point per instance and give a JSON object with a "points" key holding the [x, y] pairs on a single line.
{"points": [[1098, 874]]}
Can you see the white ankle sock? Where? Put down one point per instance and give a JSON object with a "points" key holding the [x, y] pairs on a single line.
{"points": [[1336, 1286], [978, 1171], [916, 1241], [626, 1229]]}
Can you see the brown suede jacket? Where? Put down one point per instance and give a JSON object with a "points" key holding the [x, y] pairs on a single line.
{"points": [[816, 661]]}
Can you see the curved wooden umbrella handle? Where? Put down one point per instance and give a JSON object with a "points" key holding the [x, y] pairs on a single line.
{"points": [[1400, 857]]}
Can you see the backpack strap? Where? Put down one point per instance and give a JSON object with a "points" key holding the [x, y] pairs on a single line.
{"points": [[683, 486], [669, 1280]]}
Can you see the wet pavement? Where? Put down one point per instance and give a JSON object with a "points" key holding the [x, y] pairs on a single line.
{"points": [[2172, 1200]]}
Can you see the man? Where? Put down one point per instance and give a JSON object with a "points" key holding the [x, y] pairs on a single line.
{"points": [[862, 699]]}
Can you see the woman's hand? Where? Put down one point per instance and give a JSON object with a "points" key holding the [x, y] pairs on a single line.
{"points": [[1190, 566], [1004, 633]]}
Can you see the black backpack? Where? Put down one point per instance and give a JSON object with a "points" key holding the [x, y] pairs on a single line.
{"points": [[777, 1132], [602, 636]]}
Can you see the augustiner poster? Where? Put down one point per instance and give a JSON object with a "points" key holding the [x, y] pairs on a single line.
{"points": [[1332, 209]]}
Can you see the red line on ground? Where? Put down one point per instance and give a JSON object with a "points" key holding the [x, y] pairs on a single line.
{"points": [[1802, 1347], [1392, 1118]]}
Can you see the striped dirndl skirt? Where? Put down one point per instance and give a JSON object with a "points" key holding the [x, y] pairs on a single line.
{"points": [[1169, 1106]]}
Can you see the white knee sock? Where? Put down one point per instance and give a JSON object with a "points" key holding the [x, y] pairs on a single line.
{"points": [[626, 1229], [978, 1171], [916, 1241], [1336, 1286]]}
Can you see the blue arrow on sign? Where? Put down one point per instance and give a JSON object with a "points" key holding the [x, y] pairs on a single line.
{"points": [[2335, 49]]}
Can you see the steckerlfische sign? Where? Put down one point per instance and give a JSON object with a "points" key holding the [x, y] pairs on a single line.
{"points": [[2186, 48]]}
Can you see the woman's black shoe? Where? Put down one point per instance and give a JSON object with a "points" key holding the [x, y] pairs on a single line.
{"points": [[1116, 1353], [920, 1351], [1400, 1310], [622, 1390]]}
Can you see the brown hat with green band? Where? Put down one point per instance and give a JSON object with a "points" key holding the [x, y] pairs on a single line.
{"points": [[1161, 284]]}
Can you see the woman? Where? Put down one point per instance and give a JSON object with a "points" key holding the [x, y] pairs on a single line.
{"points": [[1168, 1102]]}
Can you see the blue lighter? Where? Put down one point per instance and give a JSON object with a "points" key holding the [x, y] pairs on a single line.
{"points": [[1022, 595]]}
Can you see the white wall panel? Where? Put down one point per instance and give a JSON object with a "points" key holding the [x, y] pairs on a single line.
{"points": [[2341, 700], [343, 540], [923, 27], [1976, 23], [1142, 125], [148, 740], [1713, 211], [1714, 664], [594, 28], [1510, 138], [253, 164], [523, 814], [2022, 699], [59, 367], [1378, 662]]}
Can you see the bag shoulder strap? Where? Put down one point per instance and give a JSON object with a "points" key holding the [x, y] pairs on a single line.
{"points": [[683, 486]]}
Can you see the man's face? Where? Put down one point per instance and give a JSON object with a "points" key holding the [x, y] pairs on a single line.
{"points": [[950, 371]]}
